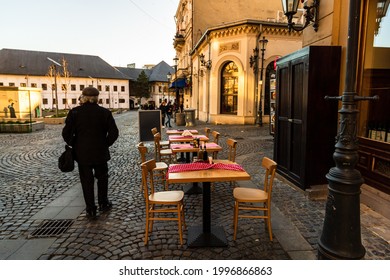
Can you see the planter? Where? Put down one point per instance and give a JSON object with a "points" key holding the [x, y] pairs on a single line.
{"points": [[21, 127]]}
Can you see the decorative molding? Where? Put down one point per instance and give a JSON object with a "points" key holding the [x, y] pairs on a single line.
{"points": [[234, 46]]}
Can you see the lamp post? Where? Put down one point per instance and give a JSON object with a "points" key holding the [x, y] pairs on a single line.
{"points": [[341, 236], [175, 60], [55, 64], [263, 43]]}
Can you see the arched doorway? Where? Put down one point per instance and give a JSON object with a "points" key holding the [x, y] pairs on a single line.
{"points": [[229, 88]]}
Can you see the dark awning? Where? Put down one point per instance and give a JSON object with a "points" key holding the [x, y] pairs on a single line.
{"points": [[179, 83]]}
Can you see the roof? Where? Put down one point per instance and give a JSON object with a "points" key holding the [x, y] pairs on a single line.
{"points": [[37, 63], [157, 74]]}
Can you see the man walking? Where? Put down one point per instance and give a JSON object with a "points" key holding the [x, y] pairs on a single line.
{"points": [[90, 129]]}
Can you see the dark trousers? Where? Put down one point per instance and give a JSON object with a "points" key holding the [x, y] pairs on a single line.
{"points": [[168, 122], [87, 174]]}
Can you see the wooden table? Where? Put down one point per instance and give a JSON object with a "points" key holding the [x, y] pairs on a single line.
{"points": [[180, 131], [189, 148], [206, 235], [186, 139]]}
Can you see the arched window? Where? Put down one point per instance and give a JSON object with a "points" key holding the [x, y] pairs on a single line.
{"points": [[229, 88]]}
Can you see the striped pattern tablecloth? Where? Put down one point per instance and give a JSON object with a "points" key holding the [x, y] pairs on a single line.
{"points": [[203, 166]]}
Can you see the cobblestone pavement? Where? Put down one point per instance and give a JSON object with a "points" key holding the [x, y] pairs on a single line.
{"points": [[30, 180]]}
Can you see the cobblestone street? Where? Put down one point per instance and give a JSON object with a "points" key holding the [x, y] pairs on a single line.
{"points": [[30, 180]]}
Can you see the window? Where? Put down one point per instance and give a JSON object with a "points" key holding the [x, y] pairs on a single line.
{"points": [[45, 101], [107, 88], [121, 100], [229, 88], [115, 88], [100, 101], [107, 101], [73, 87], [53, 86], [74, 101], [1, 84], [44, 86], [23, 84], [11, 84], [122, 88], [64, 101], [64, 87], [34, 85], [99, 88], [82, 87]]}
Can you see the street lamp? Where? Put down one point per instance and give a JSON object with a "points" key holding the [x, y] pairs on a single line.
{"points": [[55, 64], [290, 8], [263, 43]]}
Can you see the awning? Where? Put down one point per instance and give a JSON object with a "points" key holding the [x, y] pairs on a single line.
{"points": [[179, 83]]}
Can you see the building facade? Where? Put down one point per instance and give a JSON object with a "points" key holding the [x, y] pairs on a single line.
{"points": [[226, 80], [63, 76]]}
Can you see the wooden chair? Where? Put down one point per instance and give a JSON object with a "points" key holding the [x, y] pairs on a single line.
{"points": [[253, 199], [215, 135], [232, 148], [207, 132], [161, 206], [161, 169], [164, 144], [165, 155]]}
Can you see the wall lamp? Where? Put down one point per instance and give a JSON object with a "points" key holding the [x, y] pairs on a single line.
{"points": [[205, 63], [290, 8]]}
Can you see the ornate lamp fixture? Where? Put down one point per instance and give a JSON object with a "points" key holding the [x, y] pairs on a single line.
{"points": [[205, 63], [253, 60], [290, 8]]}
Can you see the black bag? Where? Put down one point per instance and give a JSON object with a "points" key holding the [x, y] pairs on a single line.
{"points": [[66, 161]]}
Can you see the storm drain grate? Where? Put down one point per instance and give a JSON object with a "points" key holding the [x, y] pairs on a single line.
{"points": [[51, 228]]}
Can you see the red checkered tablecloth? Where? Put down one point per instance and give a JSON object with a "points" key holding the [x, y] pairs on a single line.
{"points": [[203, 166]]}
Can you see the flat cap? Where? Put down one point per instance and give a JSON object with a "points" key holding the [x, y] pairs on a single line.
{"points": [[90, 91]]}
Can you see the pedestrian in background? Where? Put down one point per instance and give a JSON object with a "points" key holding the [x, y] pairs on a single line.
{"points": [[168, 110], [163, 111], [91, 129]]}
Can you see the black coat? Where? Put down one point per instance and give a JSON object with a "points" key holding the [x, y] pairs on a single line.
{"points": [[94, 129]]}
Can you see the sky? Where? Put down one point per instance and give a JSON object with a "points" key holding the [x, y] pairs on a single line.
{"points": [[118, 31]]}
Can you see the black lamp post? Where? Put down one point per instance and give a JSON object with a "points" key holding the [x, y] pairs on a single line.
{"points": [[263, 43], [254, 64], [341, 236], [175, 60]]}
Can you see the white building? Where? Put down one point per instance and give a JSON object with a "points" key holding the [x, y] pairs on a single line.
{"points": [[35, 69]]}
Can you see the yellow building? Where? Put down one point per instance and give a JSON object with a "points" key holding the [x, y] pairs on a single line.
{"points": [[216, 50]]}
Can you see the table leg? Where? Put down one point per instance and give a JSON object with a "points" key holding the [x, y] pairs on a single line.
{"points": [[206, 235]]}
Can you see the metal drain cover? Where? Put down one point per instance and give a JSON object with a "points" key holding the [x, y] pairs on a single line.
{"points": [[51, 228]]}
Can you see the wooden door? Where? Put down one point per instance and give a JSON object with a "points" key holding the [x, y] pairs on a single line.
{"points": [[291, 103]]}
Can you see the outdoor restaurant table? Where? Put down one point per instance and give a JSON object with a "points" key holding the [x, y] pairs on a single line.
{"points": [[206, 235], [189, 148], [180, 131], [183, 139]]}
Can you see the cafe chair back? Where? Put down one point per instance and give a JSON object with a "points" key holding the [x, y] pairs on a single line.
{"points": [[253, 200], [163, 143], [160, 206], [161, 169], [207, 132], [165, 155], [215, 135], [232, 149]]}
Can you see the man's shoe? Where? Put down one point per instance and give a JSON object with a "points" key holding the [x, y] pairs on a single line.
{"points": [[105, 206], [91, 212]]}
